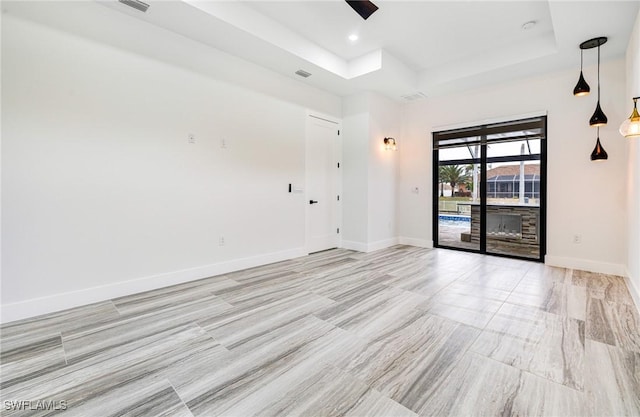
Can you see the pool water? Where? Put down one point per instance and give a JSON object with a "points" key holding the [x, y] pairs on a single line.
{"points": [[454, 221]]}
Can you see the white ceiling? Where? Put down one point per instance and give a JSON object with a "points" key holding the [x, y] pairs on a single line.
{"points": [[420, 34], [405, 47]]}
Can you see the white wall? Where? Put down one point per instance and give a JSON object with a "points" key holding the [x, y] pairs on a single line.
{"points": [[355, 175], [584, 197], [633, 166], [370, 172], [384, 122], [414, 209], [102, 193]]}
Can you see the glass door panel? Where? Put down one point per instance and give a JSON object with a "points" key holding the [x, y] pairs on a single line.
{"points": [[459, 198], [513, 181]]}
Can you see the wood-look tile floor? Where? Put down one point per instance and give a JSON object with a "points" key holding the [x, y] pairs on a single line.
{"points": [[398, 332]]}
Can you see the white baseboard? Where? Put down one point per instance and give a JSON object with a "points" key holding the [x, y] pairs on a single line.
{"points": [[369, 247], [412, 241], [382, 244], [585, 265], [635, 291], [351, 245], [49, 304]]}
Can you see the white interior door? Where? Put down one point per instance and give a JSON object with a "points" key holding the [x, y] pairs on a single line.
{"points": [[322, 172]]}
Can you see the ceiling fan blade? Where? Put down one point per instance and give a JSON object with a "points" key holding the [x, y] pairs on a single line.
{"points": [[364, 8]]}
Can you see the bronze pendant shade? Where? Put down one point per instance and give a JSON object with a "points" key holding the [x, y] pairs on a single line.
{"points": [[581, 88], [599, 154], [598, 118]]}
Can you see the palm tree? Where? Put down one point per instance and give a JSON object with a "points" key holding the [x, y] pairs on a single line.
{"points": [[441, 180], [453, 174], [468, 172]]}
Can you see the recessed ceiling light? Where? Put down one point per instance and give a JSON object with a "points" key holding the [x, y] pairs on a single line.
{"points": [[529, 25], [353, 37]]}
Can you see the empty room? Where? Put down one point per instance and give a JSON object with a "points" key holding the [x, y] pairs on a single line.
{"points": [[320, 208]]}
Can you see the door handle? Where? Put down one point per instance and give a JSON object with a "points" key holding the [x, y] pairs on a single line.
{"points": [[313, 202]]}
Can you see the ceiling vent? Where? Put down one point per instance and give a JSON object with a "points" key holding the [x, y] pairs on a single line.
{"points": [[303, 73], [414, 96], [136, 4]]}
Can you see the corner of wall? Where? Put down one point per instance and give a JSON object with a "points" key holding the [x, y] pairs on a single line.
{"points": [[420, 243], [633, 289], [633, 169]]}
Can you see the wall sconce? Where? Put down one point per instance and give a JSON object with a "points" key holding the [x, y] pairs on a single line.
{"points": [[630, 128], [390, 144], [599, 154]]}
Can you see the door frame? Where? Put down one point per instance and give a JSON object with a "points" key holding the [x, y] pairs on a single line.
{"points": [[337, 152], [483, 161]]}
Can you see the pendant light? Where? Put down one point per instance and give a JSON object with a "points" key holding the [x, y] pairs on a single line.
{"points": [[599, 154], [598, 118], [582, 88], [630, 128]]}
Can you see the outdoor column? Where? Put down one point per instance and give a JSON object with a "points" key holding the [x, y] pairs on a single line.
{"points": [[522, 175]]}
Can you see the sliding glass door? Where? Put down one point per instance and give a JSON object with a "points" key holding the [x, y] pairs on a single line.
{"points": [[489, 188]]}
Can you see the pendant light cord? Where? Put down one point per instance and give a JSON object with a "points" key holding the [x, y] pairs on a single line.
{"points": [[598, 73]]}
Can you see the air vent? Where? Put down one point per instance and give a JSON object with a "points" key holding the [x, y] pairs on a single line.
{"points": [[414, 96], [136, 4], [303, 73]]}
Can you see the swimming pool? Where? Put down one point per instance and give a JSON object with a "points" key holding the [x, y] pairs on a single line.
{"points": [[454, 220]]}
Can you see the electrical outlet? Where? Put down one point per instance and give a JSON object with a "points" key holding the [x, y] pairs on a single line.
{"points": [[577, 239], [415, 190], [223, 144], [221, 241], [191, 138]]}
